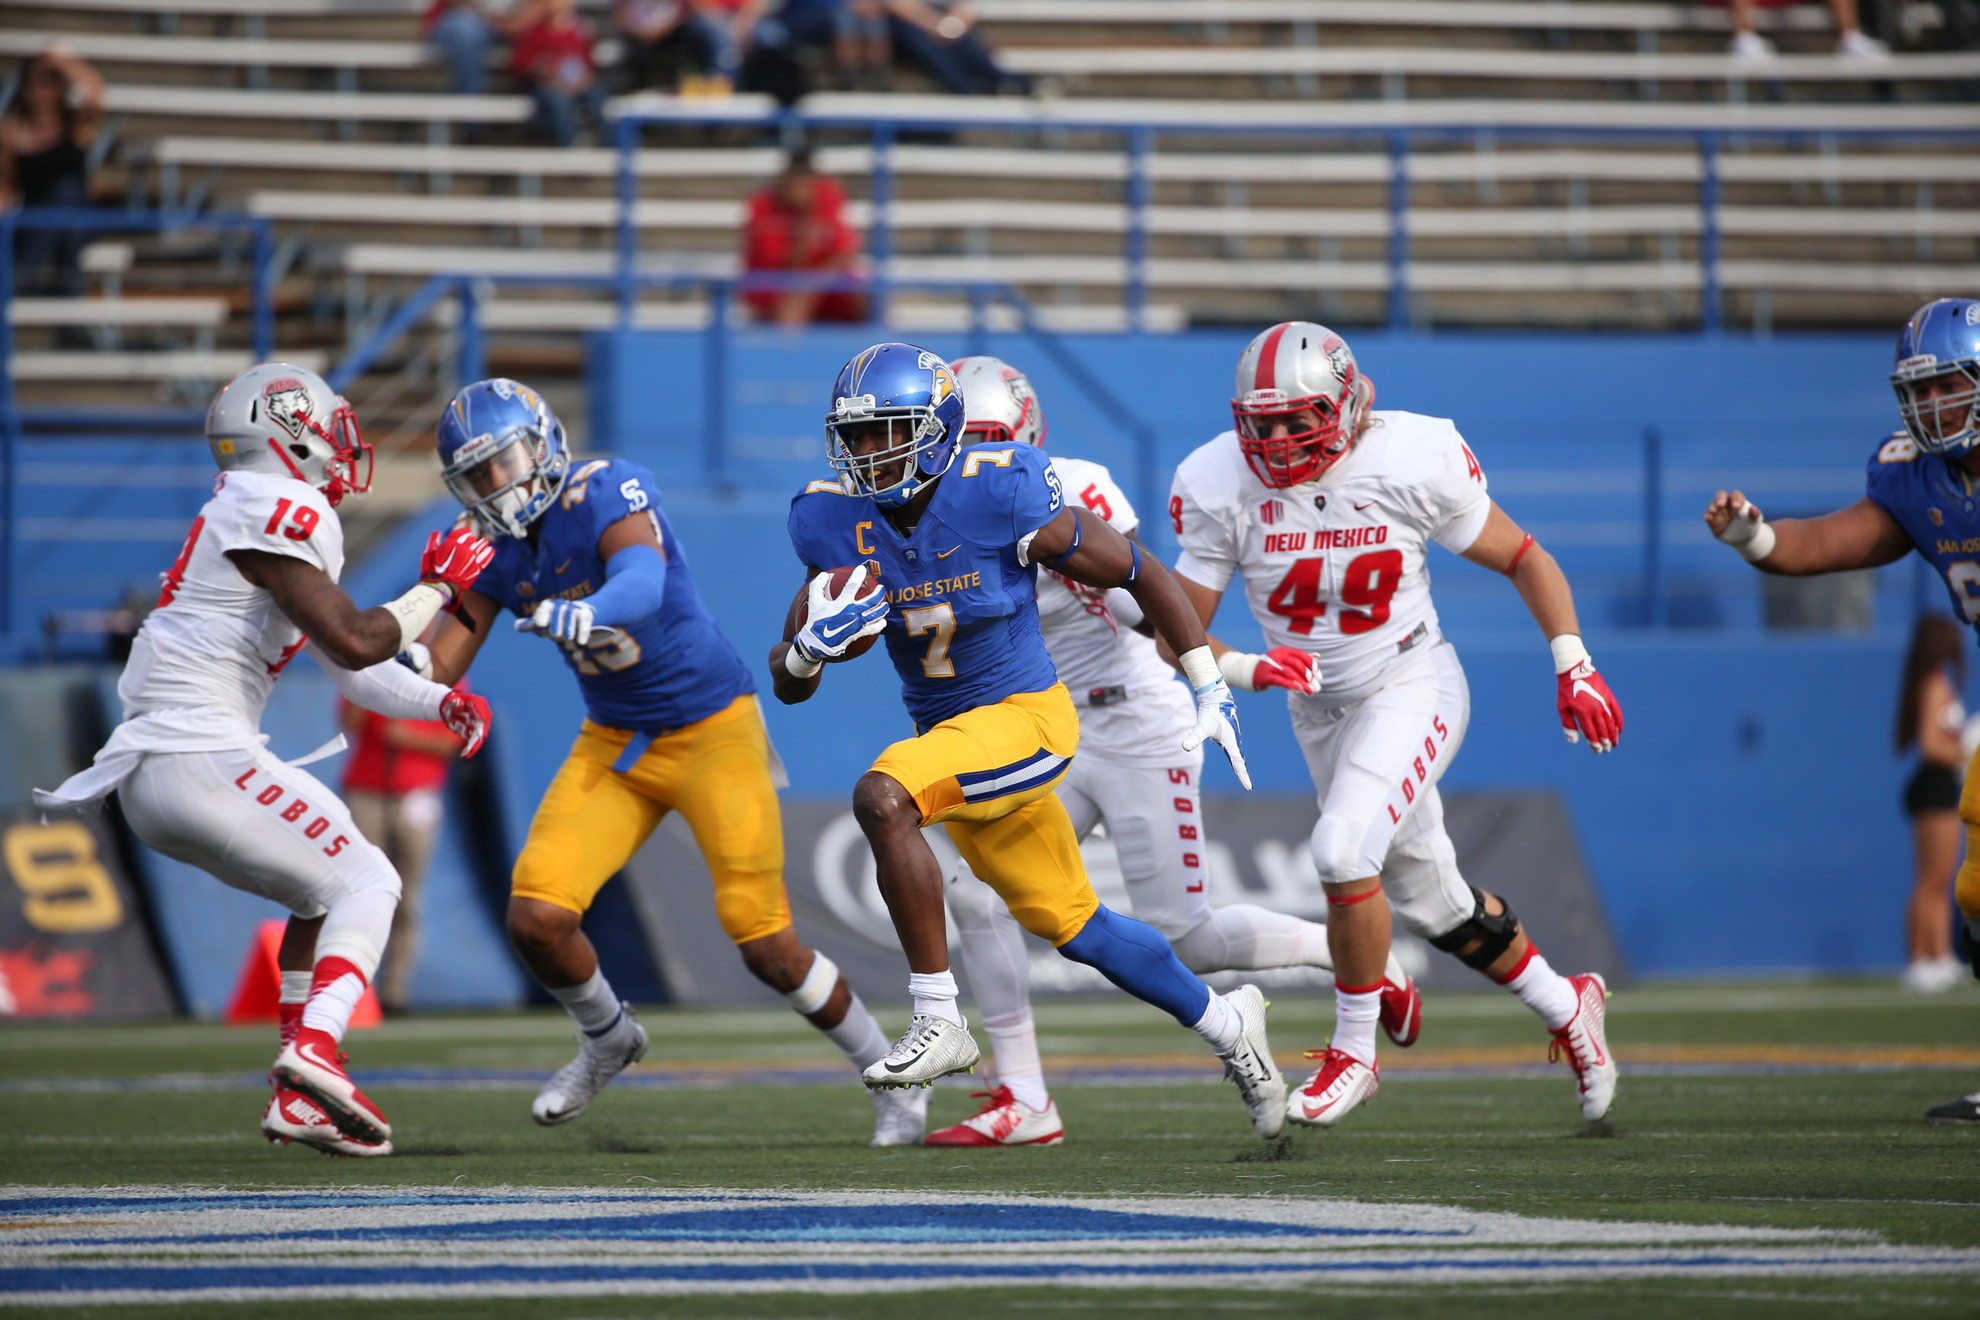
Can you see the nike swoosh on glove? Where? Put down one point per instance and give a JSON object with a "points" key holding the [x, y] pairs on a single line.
{"points": [[1217, 721], [452, 562], [468, 717], [1588, 709], [833, 623], [1287, 667], [565, 620]]}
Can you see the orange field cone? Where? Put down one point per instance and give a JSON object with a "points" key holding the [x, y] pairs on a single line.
{"points": [[258, 992]]}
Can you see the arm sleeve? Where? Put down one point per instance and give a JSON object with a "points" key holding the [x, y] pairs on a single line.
{"points": [[635, 586], [1208, 546], [1458, 501], [389, 689]]}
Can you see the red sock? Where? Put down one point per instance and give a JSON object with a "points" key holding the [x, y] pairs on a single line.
{"points": [[334, 991]]}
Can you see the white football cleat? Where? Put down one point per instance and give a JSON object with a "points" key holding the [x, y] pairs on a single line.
{"points": [[578, 1082], [1251, 1066], [1004, 1120], [931, 1047], [1585, 1042], [313, 1064], [293, 1116], [1341, 1083], [899, 1117]]}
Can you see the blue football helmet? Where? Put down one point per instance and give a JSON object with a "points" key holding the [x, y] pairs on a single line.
{"points": [[502, 454], [1940, 344], [913, 394]]}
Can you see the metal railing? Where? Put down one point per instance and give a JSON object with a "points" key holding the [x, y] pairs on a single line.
{"points": [[14, 418], [1139, 138], [471, 351]]}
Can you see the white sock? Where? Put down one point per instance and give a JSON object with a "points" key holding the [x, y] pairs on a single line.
{"points": [[295, 988], [329, 1009], [1243, 937], [1545, 991], [1220, 1025], [859, 1035], [593, 1004], [935, 994], [1355, 1013], [356, 928], [1014, 1043]]}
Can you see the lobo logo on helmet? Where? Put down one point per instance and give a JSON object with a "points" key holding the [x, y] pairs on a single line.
{"points": [[1339, 358], [286, 403]]}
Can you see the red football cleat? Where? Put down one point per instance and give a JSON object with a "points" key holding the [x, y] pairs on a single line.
{"points": [[1341, 1083], [1402, 1010], [1004, 1120], [293, 1116], [313, 1064]]}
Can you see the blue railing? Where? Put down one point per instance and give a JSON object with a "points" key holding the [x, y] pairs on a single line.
{"points": [[14, 418], [1138, 140]]}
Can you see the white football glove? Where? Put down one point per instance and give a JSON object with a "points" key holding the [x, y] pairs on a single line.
{"points": [[833, 623], [562, 620], [1216, 710]]}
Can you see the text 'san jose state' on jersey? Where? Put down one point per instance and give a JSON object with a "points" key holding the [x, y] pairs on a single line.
{"points": [[1337, 567], [962, 627]]}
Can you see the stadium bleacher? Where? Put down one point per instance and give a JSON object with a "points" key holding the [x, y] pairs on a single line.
{"points": [[1822, 213]]}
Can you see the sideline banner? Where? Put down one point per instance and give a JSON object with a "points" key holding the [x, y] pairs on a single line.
{"points": [[72, 936], [1518, 845]]}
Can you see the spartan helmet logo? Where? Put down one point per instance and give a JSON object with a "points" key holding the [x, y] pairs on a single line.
{"points": [[286, 403]]}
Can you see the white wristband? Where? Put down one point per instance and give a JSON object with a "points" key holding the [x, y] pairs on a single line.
{"points": [[797, 666], [1568, 652], [415, 610], [1757, 546], [1200, 668], [1237, 667]]}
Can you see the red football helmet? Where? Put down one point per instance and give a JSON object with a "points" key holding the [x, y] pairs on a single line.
{"points": [[1291, 368]]}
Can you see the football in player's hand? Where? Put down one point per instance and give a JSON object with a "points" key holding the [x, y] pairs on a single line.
{"points": [[801, 610]]}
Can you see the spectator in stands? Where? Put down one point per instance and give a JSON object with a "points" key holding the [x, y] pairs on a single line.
{"points": [[938, 36], [1851, 41], [551, 58], [45, 134], [1931, 718], [392, 784], [864, 46], [464, 32], [709, 34], [796, 223]]}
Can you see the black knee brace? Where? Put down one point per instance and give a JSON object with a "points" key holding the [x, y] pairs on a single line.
{"points": [[1494, 933]]}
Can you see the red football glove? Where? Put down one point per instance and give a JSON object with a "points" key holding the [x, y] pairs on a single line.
{"points": [[1588, 709], [453, 561], [1287, 667], [468, 717]]}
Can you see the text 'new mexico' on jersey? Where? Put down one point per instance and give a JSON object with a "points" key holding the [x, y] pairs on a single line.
{"points": [[668, 670], [963, 628], [1939, 508]]}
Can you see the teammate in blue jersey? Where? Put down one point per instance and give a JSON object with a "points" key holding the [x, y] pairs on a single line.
{"points": [[585, 559], [957, 533], [1923, 494]]}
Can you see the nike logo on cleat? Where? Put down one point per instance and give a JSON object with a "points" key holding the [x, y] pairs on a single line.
{"points": [[903, 1067]]}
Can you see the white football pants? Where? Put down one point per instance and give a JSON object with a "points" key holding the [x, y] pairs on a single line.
{"points": [[259, 824], [1154, 817], [1375, 766]]}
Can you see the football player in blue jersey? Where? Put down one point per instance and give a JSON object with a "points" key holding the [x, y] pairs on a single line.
{"points": [[956, 533], [1923, 494], [585, 559]]}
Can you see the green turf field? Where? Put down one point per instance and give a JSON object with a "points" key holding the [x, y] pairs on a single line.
{"points": [[1766, 1105]]}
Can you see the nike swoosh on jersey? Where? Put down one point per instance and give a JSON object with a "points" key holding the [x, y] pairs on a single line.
{"points": [[1359, 507], [944, 554], [566, 564]]}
